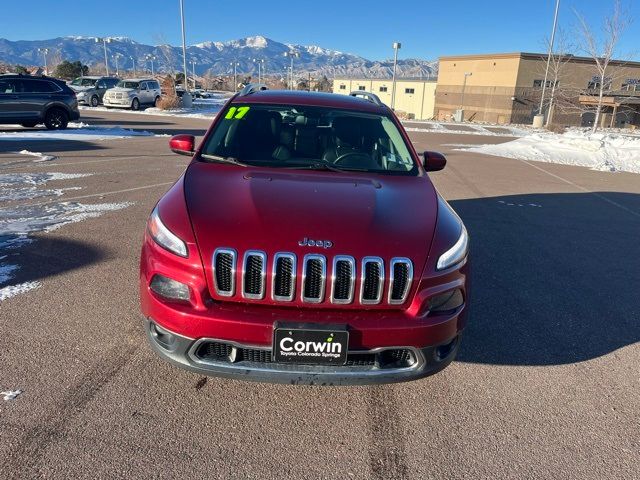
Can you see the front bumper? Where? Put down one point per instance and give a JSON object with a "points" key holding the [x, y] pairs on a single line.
{"points": [[183, 352], [116, 102]]}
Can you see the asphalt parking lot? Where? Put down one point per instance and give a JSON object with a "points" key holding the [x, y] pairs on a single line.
{"points": [[546, 385]]}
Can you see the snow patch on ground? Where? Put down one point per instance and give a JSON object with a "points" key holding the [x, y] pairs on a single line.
{"points": [[75, 131], [40, 157], [13, 290], [607, 152], [469, 129], [10, 394], [24, 186]]}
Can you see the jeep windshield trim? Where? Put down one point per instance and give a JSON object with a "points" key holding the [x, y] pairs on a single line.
{"points": [[310, 138]]}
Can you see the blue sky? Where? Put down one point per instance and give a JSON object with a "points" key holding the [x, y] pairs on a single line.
{"points": [[426, 28]]}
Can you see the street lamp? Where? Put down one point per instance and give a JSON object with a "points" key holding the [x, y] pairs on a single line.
{"points": [[134, 65], [546, 72], [44, 52], [235, 66], [464, 86], [186, 97], [115, 57], [396, 46], [193, 71], [260, 62], [291, 54], [104, 41], [151, 58]]}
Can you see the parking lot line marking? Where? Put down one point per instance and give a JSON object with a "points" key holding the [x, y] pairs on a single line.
{"points": [[601, 197]]}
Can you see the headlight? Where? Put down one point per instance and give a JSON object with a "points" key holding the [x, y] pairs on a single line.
{"points": [[164, 237], [456, 253]]}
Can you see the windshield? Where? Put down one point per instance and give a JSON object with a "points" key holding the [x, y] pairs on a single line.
{"points": [[127, 84], [84, 82], [310, 137]]}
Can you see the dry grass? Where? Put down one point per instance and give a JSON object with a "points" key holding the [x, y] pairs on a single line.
{"points": [[556, 128], [169, 102]]}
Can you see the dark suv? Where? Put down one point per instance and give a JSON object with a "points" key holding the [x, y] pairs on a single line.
{"points": [[31, 100]]}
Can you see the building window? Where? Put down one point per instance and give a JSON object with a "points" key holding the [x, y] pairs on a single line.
{"points": [[383, 89], [410, 91], [631, 85], [538, 83], [361, 88], [343, 87], [596, 82]]}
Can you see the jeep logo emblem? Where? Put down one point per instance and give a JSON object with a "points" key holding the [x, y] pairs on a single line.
{"points": [[305, 242]]}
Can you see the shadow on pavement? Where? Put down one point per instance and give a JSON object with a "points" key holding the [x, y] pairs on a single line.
{"points": [[48, 146], [556, 277], [47, 256]]}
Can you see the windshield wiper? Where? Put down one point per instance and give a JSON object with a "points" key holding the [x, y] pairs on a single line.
{"points": [[326, 166], [219, 159]]}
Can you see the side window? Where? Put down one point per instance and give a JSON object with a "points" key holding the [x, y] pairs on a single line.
{"points": [[111, 82], [101, 84], [39, 86], [7, 86], [156, 85], [143, 85]]}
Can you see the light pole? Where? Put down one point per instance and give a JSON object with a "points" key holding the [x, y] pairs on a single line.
{"points": [[291, 54], [546, 72], [44, 52], [134, 65], [104, 41], [260, 62], [186, 98], [151, 58], [396, 46], [464, 86], [235, 75], [193, 72], [115, 59]]}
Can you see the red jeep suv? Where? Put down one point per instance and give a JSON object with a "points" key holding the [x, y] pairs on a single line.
{"points": [[305, 244]]}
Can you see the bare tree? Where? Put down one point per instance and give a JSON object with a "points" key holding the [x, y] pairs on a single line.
{"points": [[601, 46]]}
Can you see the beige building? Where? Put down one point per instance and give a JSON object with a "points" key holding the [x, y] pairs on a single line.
{"points": [[414, 98], [506, 88]]}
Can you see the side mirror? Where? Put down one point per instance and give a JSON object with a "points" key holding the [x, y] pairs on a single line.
{"points": [[434, 161], [183, 144]]}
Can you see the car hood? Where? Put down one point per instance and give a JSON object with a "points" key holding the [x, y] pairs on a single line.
{"points": [[273, 210], [121, 89], [79, 89]]}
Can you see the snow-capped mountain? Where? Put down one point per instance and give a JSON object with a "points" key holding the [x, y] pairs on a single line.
{"points": [[211, 57]]}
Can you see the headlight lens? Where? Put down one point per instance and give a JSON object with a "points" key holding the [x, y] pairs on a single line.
{"points": [[164, 237], [456, 253]]}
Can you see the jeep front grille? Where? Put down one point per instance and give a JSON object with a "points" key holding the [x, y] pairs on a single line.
{"points": [[314, 274], [315, 284], [224, 271], [400, 277]]}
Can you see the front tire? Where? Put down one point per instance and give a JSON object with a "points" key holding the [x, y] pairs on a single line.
{"points": [[95, 101], [56, 119], [135, 104]]}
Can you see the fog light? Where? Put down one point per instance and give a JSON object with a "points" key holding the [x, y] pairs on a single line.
{"points": [[446, 302], [169, 288]]}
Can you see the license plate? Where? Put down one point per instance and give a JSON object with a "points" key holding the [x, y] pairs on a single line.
{"points": [[311, 345]]}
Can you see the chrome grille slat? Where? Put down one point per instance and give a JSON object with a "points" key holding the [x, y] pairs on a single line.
{"points": [[343, 279], [254, 272], [224, 271], [371, 280], [283, 286], [400, 279], [314, 275]]}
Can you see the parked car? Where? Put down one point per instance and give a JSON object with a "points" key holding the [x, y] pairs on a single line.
{"points": [[305, 243], [28, 101], [90, 90], [133, 93]]}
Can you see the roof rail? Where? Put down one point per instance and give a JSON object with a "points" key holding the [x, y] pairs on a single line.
{"points": [[371, 97], [252, 88]]}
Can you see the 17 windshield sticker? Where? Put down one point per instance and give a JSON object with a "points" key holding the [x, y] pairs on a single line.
{"points": [[236, 113]]}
